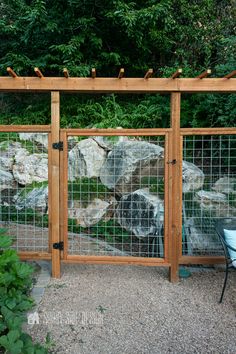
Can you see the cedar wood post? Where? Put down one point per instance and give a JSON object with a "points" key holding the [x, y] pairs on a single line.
{"points": [[175, 230], [55, 182]]}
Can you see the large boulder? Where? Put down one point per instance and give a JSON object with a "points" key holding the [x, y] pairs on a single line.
{"points": [[39, 138], [90, 215], [86, 159], [37, 199], [225, 185], [8, 150], [215, 202], [141, 213], [192, 176], [6, 180], [29, 168], [128, 162]]}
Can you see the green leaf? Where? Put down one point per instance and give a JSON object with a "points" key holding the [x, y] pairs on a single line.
{"points": [[5, 241]]}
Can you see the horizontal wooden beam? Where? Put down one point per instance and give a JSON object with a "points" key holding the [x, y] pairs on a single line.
{"points": [[34, 255], [117, 132], [121, 260], [201, 260], [207, 131], [109, 85], [25, 128]]}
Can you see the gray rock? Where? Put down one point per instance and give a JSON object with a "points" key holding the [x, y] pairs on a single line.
{"points": [[40, 138], [6, 180], [29, 168], [8, 150], [215, 202], [94, 212], [128, 162], [36, 199], [85, 159], [141, 213], [225, 185], [193, 177]]}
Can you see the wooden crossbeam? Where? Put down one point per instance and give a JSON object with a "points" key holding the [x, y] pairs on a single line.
{"points": [[204, 74], [109, 85], [93, 73], [11, 72], [232, 74], [38, 72], [148, 74], [66, 73], [121, 73], [177, 73]]}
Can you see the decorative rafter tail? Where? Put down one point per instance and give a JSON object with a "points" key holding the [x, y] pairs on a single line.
{"points": [[177, 73], [93, 73], [66, 73], [121, 73], [38, 72], [11, 72], [204, 74], [232, 74], [148, 74]]}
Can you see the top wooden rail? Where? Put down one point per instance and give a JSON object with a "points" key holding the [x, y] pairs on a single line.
{"points": [[109, 85]]}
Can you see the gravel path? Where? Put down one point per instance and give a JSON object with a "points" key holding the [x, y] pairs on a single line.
{"points": [[135, 310]]}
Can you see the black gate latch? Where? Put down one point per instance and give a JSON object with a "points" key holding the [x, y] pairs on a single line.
{"points": [[59, 245], [58, 146]]}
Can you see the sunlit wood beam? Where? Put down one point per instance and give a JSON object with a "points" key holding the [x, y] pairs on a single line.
{"points": [[11, 72]]}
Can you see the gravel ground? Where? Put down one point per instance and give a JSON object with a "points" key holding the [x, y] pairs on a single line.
{"points": [[129, 309]]}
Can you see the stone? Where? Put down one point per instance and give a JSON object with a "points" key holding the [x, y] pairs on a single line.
{"points": [[192, 176], [128, 162], [85, 159], [36, 199], [215, 202], [8, 150], [225, 185], [141, 213], [94, 212], [6, 180], [200, 242], [40, 138], [29, 168], [107, 143]]}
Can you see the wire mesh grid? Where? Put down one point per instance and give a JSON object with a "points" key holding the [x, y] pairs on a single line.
{"points": [[24, 189], [116, 196], [209, 190]]}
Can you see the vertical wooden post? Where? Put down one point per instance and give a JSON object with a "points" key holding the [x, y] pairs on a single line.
{"points": [[175, 164], [55, 182]]}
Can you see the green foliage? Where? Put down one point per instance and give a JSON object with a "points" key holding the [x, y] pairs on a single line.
{"points": [[86, 189], [24, 216], [79, 35], [15, 284]]}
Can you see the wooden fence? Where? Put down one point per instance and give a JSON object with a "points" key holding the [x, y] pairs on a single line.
{"points": [[173, 138]]}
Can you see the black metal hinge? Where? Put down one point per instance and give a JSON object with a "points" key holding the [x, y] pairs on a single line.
{"points": [[58, 146], [58, 245], [172, 162]]}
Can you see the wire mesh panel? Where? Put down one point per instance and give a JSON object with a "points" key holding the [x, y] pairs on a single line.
{"points": [[209, 190], [116, 196], [24, 189]]}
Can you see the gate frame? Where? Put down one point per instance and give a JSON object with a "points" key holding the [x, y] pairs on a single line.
{"points": [[173, 86]]}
